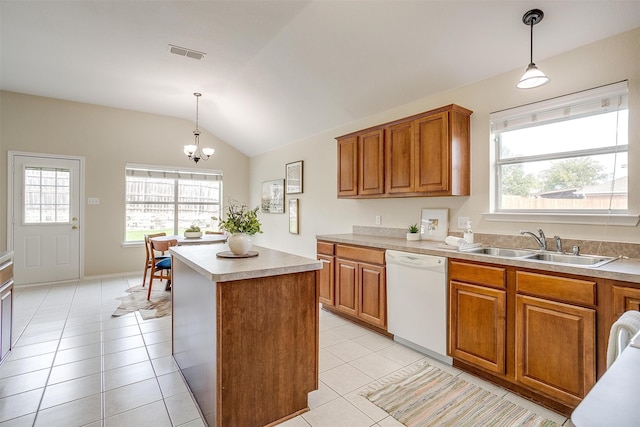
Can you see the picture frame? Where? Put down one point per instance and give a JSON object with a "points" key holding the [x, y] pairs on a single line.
{"points": [[293, 175], [434, 224], [294, 216], [272, 196]]}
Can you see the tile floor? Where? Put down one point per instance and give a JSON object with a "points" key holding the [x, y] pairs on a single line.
{"points": [[75, 365]]}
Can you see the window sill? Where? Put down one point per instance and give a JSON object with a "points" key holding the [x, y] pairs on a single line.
{"points": [[559, 218]]}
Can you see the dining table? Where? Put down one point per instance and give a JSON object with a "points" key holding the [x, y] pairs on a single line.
{"points": [[205, 239]]}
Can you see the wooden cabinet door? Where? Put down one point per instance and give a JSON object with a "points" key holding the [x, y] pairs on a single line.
{"points": [[6, 302], [348, 166], [432, 157], [325, 280], [555, 348], [624, 299], [371, 163], [399, 153], [346, 286], [373, 294], [477, 325]]}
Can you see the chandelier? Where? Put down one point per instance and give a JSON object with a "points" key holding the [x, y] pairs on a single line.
{"points": [[193, 151]]}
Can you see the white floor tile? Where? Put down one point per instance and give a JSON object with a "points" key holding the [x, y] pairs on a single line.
{"points": [[151, 415], [348, 350], [375, 365], [75, 413], [71, 390], [321, 396], [345, 379], [337, 413], [21, 404]]}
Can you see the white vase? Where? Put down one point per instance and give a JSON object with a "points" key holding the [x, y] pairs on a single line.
{"points": [[239, 243], [413, 236]]}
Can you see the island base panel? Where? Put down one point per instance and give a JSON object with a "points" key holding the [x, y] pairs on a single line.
{"points": [[252, 358]]}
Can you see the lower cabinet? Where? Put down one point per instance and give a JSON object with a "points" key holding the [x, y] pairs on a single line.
{"points": [[532, 331], [625, 298], [6, 307], [353, 282], [325, 280], [555, 348], [478, 327]]}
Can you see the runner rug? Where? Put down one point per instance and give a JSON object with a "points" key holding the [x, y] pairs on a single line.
{"points": [[424, 395], [136, 300]]}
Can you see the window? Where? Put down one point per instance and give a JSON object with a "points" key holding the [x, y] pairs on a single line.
{"points": [[46, 195], [168, 200], [563, 155]]}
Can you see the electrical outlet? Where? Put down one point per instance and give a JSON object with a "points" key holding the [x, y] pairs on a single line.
{"points": [[378, 219], [462, 221]]}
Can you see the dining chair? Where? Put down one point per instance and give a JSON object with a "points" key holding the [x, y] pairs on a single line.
{"points": [[161, 269], [150, 260]]}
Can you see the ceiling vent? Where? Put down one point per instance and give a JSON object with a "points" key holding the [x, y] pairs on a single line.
{"points": [[183, 51]]}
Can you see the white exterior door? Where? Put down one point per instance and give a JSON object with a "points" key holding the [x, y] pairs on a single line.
{"points": [[45, 223]]}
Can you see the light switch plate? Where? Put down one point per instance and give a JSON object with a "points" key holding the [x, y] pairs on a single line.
{"points": [[93, 201]]}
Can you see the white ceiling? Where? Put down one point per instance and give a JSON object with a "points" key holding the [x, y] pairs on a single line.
{"points": [[276, 72]]}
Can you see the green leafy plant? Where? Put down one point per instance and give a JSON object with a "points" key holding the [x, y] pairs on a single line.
{"points": [[240, 219], [413, 228]]}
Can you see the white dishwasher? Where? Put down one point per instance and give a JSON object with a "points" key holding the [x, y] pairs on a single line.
{"points": [[417, 302]]}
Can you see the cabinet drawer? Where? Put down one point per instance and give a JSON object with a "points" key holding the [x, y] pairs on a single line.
{"points": [[478, 274], [559, 288], [325, 248], [373, 256], [6, 272]]}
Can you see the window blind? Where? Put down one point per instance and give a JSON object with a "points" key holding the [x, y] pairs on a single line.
{"points": [[145, 171], [611, 97]]}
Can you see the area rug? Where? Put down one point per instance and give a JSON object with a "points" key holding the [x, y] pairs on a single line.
{"points": [[136, 300], [424, 395]]}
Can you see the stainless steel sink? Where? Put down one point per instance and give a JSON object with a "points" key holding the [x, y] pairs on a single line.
{"points": [[585, 260], [500, 252], [591, 261]]}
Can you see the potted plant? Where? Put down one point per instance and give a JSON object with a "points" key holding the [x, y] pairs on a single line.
{"points": [[413, 232], [241, 223], [193, 232]]}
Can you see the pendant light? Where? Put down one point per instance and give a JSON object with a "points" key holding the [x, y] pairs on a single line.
{"points": [[193, 151], [532, 77]]}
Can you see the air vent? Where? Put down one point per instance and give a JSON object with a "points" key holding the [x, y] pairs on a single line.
{"points": [[183, 51]]}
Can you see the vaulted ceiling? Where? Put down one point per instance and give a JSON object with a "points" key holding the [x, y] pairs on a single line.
{"points": [[275, 72]]}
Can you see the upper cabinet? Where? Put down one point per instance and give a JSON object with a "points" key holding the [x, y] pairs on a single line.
{"points": [[423, 155]]}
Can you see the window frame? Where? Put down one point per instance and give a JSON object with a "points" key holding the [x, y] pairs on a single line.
{"points": [[525, 116], [177, 174]]}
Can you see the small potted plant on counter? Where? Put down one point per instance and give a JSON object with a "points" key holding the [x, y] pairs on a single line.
{"points": [[413, 232], [241, 223]]}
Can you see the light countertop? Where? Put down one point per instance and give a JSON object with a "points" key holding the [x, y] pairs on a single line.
{"points": [[5, 256], [627, 270], [269, 262]]}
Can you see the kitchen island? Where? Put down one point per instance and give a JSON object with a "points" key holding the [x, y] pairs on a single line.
{"points": [[245, 333]]}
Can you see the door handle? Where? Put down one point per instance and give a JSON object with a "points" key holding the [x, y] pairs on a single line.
{"points": [[74, 227]]}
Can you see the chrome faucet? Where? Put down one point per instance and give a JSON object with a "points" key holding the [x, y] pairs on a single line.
{"points": [[541, 241], [558, 244]]}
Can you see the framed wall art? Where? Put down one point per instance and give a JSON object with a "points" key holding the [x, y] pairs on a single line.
{"points": [[294, 177], [272, 196], [294, 216], [434, 224]]}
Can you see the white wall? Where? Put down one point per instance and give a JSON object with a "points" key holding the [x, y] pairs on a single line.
{"points": [[108, 138], [604, 62]]}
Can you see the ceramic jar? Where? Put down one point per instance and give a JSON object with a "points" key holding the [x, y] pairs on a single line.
{"points": [[239, 243]]}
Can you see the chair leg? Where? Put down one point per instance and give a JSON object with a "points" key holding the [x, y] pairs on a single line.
{"points": [[150, 284], [144, 277]]}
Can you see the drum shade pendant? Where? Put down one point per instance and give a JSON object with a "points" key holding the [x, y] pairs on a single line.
{"points": [[532, 77], [193, 151]]}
